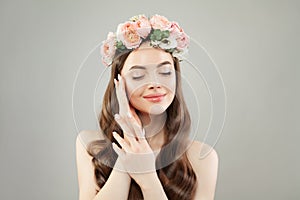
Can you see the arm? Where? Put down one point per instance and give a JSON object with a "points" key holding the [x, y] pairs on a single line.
{"points": [[206, 170], [153, 188], [116, 187]]}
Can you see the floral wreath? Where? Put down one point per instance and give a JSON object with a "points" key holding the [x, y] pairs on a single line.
{"points": [[158, 30]]}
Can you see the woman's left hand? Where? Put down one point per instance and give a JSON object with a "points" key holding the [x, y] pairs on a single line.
{"points": [[136, 154]]}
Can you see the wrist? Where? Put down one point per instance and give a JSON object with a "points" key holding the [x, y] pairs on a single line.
{"points": [[150, 180], [153, 189], [119, 168]]}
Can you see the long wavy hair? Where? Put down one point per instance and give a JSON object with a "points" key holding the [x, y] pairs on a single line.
{"points": [[178, 178]]}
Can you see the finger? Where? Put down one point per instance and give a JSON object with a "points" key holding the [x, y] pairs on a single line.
{"points": [[120, 78], [119, 95], [128, 133], [116, 82], [123, 101], [143, 135], [125, 109], [136, 127], [124, 125], [119, 151], [142, 138], [134, 121], [121, 141], [122, 84], [136, 117]]}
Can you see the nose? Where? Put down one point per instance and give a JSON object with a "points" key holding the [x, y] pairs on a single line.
{"points": [[154, 85], [153, 82]]}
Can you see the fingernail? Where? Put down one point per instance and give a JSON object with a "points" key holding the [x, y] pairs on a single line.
{"points": [[143, 132], [114, 145], [117, 116], [115, 81], [129, 115], [119, 77]]}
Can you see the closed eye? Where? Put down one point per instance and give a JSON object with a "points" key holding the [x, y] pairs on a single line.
{"points": [[137, 77], [165, 73]]}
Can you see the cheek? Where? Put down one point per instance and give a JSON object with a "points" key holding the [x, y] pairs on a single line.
{"points": [[133, 90], [135, 100], [170, 85]]}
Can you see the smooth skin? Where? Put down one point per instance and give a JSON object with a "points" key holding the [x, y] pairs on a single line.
{"points": [[135, 143], [118, 182]]}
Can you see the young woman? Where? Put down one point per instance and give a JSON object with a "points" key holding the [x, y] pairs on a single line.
{"points": [[143, 150]]}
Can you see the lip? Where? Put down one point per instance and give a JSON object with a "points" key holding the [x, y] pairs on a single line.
{"points": [[154, 97]]}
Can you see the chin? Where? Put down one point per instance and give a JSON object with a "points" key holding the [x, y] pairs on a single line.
{"points": [[157, 109], [152, 110]]}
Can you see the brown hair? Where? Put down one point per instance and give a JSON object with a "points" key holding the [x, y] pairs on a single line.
{"points": [[178, 178]]}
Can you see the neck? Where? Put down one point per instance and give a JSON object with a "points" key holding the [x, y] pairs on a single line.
{"points": [[154, 128]]}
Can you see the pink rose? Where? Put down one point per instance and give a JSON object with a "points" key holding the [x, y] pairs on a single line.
{"points": [[143, 26], [127, 33], [183, 41], [108, 49], [181, 38], [176, 31], [160, 22]]}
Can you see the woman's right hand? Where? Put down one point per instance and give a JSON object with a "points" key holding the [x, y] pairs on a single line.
{"points": [[136, 155]]}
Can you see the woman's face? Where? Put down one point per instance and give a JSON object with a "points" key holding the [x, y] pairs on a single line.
{"points": [[150, 79]]}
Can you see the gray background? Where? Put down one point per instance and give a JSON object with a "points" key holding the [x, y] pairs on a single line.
{"points": [[254, 43]]}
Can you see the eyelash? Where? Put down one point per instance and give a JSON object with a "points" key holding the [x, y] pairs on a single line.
{"points": [[166, 73], [163, 73], [136, 78]]}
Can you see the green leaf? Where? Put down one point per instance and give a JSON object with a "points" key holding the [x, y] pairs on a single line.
{"points": [[156, 32], [152, 37], [119, 45], [165, 34]]}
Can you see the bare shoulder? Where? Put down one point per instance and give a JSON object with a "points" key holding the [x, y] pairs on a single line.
{"points": [[204, 160], [85, 168], [201, 152]]}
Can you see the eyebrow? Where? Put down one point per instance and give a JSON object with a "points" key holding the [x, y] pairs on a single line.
{"points": [[143, 67]]}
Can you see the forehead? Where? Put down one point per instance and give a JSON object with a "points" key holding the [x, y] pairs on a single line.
{"points": [[146, 56]]}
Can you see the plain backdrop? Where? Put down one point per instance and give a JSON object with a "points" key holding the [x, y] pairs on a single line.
{"points": [[255, 44]]}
